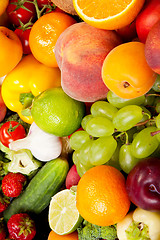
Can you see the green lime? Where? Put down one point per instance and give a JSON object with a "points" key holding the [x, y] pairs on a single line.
{"points": [[55, 112], [63, 216]]}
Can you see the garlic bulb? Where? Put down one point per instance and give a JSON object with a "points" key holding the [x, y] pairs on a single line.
{"points": [[43, 146]]}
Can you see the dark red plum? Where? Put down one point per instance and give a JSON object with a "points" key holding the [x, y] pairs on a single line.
{"points": [[143, 184]]}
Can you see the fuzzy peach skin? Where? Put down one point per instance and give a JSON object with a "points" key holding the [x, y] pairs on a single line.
{"points": [[80, 51], [152, 48]]}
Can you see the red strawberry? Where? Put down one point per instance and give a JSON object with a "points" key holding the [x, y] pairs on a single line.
{"points": [[4, 202], [21, 226], [2, 231], [12, 184]]}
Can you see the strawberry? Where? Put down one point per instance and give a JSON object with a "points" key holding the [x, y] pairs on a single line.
{"points": [[21, 226], [12, 184], [4, 202], [2, 230]]}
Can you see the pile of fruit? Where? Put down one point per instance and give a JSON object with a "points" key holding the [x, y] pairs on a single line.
{"points": [[80, 119]]}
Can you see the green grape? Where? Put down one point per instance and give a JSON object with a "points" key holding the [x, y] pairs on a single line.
{"points": [[126, 160], [75, 157], [158, 121], [85, 120], [78, 138], [103, 109], [156, 153], [149, 98], [114, 160], [157, 100], [158, 135], [84, 153], [157, 107], [156, 85], [81, 169], [102, 150], [122, 102], [144, 144], [99, 127], [80, 158], [127, 117]]}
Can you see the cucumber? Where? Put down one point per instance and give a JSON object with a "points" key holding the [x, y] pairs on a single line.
{"points": [[37, 195]]}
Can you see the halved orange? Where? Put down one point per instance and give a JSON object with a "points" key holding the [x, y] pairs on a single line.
{"points": [[108, 14]]}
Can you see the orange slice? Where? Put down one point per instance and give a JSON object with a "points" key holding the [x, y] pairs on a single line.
{"points": [[108, 14]]}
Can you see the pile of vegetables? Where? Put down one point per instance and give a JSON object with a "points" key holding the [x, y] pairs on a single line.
{"points": [[51, 163]]}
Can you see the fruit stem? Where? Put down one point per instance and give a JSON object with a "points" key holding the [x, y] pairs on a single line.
{"points": [[154, 133], [126, 135], [142, 123], [152, 94], [39, 12]]}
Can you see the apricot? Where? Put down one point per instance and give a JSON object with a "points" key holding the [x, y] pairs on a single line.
{"points": [[152, 48], [126, 72], [10, 50], [80, 51]]}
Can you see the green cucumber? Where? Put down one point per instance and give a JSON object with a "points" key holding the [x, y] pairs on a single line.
{"points": [[37, 195]]}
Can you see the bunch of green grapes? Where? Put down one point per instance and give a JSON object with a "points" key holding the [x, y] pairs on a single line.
{"points": [[118, 132]]}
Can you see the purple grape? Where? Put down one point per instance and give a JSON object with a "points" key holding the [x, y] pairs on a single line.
{"points": [[143, 184]]}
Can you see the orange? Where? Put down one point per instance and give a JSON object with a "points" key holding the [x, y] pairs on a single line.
{"points": [[3, 6], [10, 50], [108, 14], [101, 196], [55, 236], [44, 34], [125, 71]]}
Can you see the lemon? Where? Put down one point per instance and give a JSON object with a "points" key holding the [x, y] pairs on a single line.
{"points": [[64, 217], [55, 112]]}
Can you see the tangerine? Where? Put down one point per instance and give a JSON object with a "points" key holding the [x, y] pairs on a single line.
{"points": [[44, 34], [101, 196], [55, 236]]}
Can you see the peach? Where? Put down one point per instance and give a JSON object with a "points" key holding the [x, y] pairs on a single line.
{"points": [[152, 48], [80, 51]]}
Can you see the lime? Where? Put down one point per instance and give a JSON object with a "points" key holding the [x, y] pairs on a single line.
{"points": [[64, 217], [55, 112]]}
